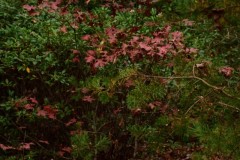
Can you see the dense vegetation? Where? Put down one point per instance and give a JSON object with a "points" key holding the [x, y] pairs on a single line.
{"points": [[119, 79]]}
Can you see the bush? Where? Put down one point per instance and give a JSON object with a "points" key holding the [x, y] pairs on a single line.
{"points": [[111, 80]]}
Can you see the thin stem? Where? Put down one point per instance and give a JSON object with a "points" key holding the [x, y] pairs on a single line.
{"points": [[200, 98], [190, 77], [229, 106]]}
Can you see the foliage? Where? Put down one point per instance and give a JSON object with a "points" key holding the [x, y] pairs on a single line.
{"points": [[119, 80]]}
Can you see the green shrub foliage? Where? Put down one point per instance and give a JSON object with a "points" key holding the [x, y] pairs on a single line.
{"points": [[119, 79]]}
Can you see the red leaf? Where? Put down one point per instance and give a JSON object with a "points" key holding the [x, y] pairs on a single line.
{"points": [[54, 5], [60, 153], [226, 71], [191, 50], [76, 60], [86, 37], [99, 63], [129, 83], [64, 11], [47, 112], [29, 106], [88, 99], [33, 13], [25, 146], [74, 51], [154, 104], [67, 149], [111, 33], [167, 29], [3, 147], [33, 100], [43, 5], [91, 52], [177, 36], [28, 7], [187, 22], [164, 108], [134, 40], [124, 48], [134, 29], [110, 58], [73, 120], [74, 25], [41, 113], [64, 150], [51, 112], [89, 59], [63, 29], [87, 1], [144, 46], [85, 90], [157, 40], [163, 50], [79, 16], [136, 111]]}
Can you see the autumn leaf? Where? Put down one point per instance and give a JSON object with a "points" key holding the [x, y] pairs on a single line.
{"points": [[88, 99], [226, 71], [33, 13], [87, 1], [41, 113], [63, 29], [25, 146], [89, 59], [47, 111], [74, 25], [157, 40], [3, 147], [54, 5], [76, 60], [43, 5], [129, 83], [112, 33], [86, 37], [144, 46], [72, 121], [28, 7], [84, 90], [51, 112], [163, 50], [28, 70], [124, 48], [60, 153], [67, 149], [187, 22], [191, 50], [74, 51], [155, 104], [33, 100], [136, 111], [177, 36], [64, 11], [29, 106], [99, 63]]}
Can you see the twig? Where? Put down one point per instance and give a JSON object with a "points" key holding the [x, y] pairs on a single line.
{"points": [[191, 77], [230, 106], [25, 135], [200, 98], [135, 147]]}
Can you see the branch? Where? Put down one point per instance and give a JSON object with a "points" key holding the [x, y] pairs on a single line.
{"points": [[221, 89], [229, 106], [200, 98]]}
